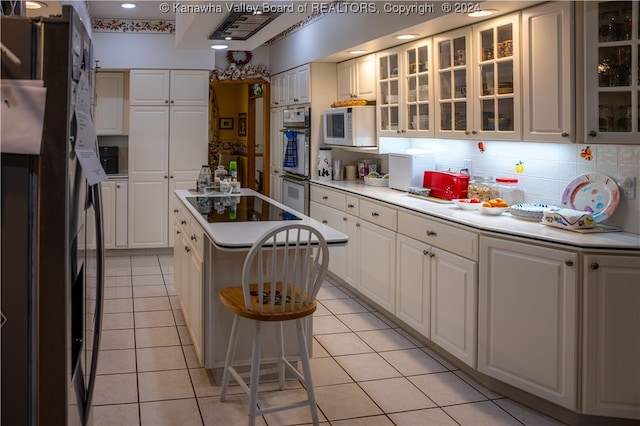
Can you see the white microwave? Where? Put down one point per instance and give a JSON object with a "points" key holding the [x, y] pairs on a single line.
{"points": [[350, 126]]}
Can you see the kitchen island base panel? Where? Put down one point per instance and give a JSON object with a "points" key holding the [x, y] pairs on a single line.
{"points": [[223, 268]]}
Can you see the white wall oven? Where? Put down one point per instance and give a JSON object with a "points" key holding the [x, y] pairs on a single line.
{"points": [[296, 140]]}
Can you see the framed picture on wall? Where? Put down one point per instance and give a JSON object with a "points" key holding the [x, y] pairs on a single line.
{"points": [[225, 123], [242, 124]]}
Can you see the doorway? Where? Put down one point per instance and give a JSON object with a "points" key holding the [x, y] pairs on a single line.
{"points": [[240, 129]]}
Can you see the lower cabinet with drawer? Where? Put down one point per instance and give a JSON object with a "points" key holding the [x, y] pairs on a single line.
{"points": [[188, 272]]}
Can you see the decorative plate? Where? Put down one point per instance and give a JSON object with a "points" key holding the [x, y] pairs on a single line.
{"points": [[594, 193], [533, 211]]}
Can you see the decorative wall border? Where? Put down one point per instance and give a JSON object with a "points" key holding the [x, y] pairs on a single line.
{"points": [[110, 25]]}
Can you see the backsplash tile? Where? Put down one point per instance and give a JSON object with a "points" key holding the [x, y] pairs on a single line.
{"points": [[548, 167]]}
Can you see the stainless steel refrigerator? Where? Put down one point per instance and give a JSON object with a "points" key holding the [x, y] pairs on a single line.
{"points": [[52, 264]]}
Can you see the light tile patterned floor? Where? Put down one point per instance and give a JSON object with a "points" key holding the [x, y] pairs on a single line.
{"points": [[366, 370]]}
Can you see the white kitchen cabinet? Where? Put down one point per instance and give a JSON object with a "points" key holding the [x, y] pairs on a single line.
{"points": [[299, 85], [611, 339], [612, 98], [356, 78], [276, 147], [413, 284], [528, 318], [169, 87], [167, 146], [547, 66], [388, 102], [109, 110], [376, 264], [114, 215], [495, 87], [188, 273], [279, 91], [338, 221]]}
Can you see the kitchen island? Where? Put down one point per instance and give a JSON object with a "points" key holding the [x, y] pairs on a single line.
{"points": [[212, 237]]}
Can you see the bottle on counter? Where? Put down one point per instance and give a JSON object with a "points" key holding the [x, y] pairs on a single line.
{"points": [[233, 167], [220, 174], [510, 191], [204, 178]]}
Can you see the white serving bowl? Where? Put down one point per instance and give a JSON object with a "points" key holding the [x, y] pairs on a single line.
{"points": [[493, 211], [464, 204]]}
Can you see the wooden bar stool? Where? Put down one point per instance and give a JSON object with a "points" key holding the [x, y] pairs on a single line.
{"points": [[290, 263]]}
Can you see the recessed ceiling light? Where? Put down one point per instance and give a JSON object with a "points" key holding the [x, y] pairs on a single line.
{"points": [[228, 38], [35, 4], [406, 36], [219, 46], [356, 52], [481, 13], [128, 5]]}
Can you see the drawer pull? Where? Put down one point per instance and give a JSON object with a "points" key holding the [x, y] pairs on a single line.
{"points": [[177, 232], [431, 233], [568, 262], [325, 221], [184, 222], [187, 249], [425, 252], [564, 134], [176, 210], [432, 255], [194, 238], [357, 225], [350, 206], [374, 214], [594, 265], [344, 219], [324, 197]]}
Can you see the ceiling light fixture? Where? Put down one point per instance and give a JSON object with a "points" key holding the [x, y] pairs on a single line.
{"points": [[481, 13], [219, 46], [228, 38], [35, 4], [128, 5], [406, 36]]}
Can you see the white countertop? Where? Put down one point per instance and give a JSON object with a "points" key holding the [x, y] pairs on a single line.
{"points": [[504, 224], [242, 234]]}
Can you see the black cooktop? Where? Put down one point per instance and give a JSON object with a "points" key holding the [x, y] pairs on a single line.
{"points": [[238, 209]]}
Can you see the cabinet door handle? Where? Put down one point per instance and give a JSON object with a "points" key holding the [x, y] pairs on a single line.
{"points": [[431, 233], [344, 219], [171, 100], [432, 255], [350, 206], [171, 177], [473, 132], [177, 232], [564, 134], [184, 222], [568, 262], [176, 210], [166, 101], [425, 252], [357, 225], [165, 176], [187, 249], [117, 186], [325, 222], [194, 238], [467, 132], [593, 133], [375, 214], [594, 266], [324, 197]]}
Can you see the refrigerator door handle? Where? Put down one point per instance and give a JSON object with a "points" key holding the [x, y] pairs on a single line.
{"points": [[97, 206]]}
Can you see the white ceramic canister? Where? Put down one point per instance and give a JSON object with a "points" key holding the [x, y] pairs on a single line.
{"points": [[324, 164]]}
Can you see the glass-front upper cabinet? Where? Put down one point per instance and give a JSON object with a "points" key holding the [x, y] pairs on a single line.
{"points": [[453, 75], [418, 118], [497, 84], [613, 71], [388, 92]]}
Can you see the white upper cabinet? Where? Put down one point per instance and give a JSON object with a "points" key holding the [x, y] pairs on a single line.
{"points": [[547, 66], [298, 85], [279, 90], [388, 103], [357, 78], [612, 38], [496, 86], [454, 74], [417, 83], [169, 87], [109, 103]]}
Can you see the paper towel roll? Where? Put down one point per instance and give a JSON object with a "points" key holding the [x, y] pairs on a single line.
{"points": [[351, 171]]}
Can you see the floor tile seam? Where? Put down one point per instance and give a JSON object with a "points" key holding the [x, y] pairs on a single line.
{"points": [[367, 380], [476, 385]]}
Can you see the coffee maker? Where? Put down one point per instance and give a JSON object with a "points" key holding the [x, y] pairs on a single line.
{"points": [[109, 159]]}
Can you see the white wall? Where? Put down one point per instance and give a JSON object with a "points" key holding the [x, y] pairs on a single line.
{"points": [[135, 50]]}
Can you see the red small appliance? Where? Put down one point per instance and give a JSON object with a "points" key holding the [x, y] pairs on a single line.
{"points": [[446, 185]]}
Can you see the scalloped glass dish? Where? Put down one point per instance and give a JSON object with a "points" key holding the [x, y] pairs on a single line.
{"points": [[594, 193], [530, 211]]}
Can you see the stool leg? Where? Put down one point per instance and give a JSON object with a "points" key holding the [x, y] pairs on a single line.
{"points": [[280, 343], [255, 374], [306, 368], [231, 355]]}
